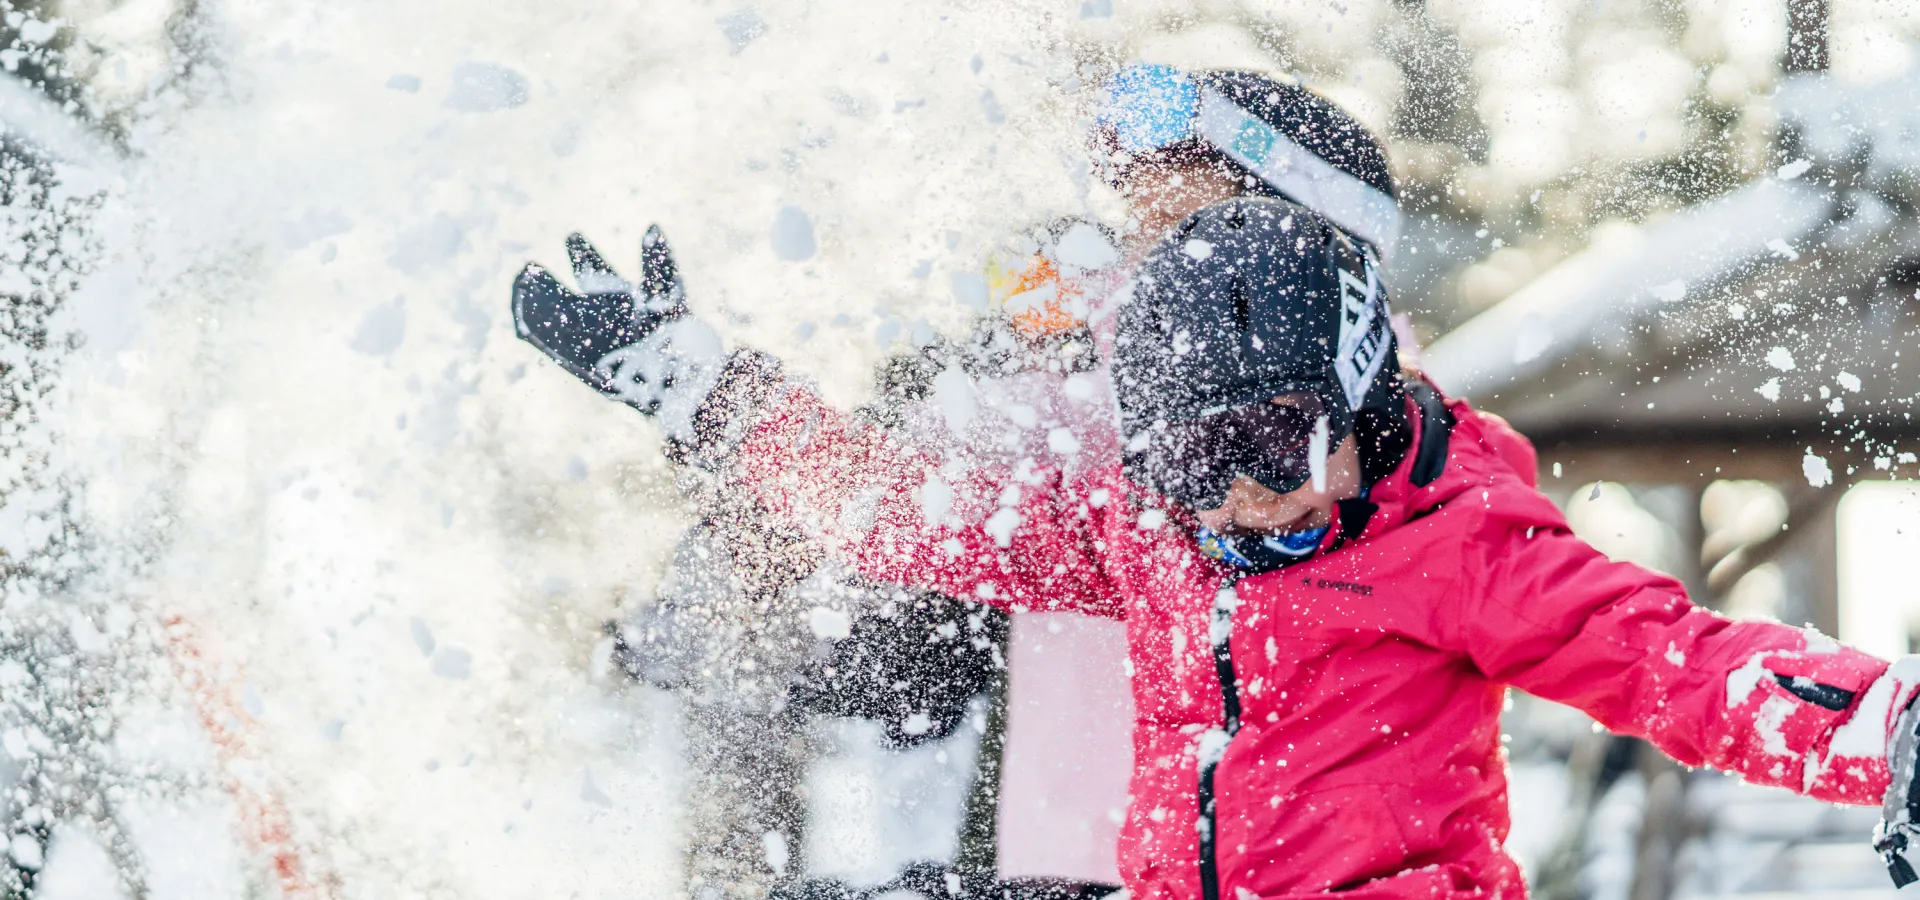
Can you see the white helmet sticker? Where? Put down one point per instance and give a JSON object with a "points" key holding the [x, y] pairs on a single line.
{"points": [[1364, 328]]}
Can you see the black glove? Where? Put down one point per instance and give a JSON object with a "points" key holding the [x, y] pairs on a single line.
{"points": [[1897, 837], [635, 343]]}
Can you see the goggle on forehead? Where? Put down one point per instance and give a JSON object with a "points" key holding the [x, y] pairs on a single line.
{"points": [[1146, 108]]}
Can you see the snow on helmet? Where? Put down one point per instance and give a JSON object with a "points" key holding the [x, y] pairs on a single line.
{"points": [[1246, 301], [1296, 143]]}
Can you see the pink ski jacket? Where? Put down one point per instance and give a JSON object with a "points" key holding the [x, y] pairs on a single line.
{"points": [[1333, 726]]}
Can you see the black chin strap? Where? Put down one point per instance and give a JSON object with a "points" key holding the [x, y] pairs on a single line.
{"points": [[1436, 433], [1382, 434]]}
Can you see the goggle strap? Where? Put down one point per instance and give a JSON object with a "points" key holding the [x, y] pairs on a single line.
{"points": [[1362, 209]]}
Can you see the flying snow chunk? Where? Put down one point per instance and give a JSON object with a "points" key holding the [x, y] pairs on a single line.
{"points": [[740, 28], [422, 636], [1769, 390], [917, 724], [1199, 249], [1781, 358], [969, 289], [792, 234], [486, 87], [936, 500], [1063, 442], [591, 792], [1818, 473], [1782, 248], [1084, 247], [1001, 525], [775, 846], [15, 743], [26, 852], [409, 84], [1849, 381], [1671, 292], [1793, 169], [1212, 744], [34, 31], [422, 248], [453, 663], [953, 395], [829, 624], [990, 107], [382, 329]]}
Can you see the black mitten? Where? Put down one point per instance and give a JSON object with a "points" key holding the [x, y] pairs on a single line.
{"points": [[636, 343]]}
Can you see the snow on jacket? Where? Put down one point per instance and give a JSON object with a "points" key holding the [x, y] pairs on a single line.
{"points": [[1348, 705]]}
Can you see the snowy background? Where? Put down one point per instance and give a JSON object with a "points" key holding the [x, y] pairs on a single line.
{"points": [[306, 559]]}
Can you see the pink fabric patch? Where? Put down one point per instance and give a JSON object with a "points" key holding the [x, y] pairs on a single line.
{"points": [[1069, 747]]}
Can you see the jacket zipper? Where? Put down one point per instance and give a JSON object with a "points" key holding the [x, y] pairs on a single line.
{"points": [[1213, 744]]}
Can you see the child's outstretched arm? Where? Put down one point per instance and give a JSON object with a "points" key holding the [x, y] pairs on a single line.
{"points": [[1009, 535], [1784, 706], [1779, 705]]}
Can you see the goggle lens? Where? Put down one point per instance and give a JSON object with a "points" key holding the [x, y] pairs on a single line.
{"points": [[1194, 462], [1148, 107]]}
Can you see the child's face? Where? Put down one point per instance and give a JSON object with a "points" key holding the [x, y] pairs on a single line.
{"points": [[1253, 508], [1160, 194]]}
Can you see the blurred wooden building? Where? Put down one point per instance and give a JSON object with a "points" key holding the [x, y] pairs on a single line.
{"points": [[1767, 340]]}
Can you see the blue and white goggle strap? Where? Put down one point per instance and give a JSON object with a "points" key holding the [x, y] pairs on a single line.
{"points": [[1150, 107]]}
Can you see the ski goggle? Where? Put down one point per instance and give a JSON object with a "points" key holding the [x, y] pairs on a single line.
{"points": [[1147, 108], [1193, 462]]}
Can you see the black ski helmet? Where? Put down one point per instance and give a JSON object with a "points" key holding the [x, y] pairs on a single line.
{"points": [[1248, 300], [1292, 142]]}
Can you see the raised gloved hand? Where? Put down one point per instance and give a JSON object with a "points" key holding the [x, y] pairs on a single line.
{"points": [[634, 343]]}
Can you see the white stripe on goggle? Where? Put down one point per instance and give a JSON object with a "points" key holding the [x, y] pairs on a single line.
{"points": [[1361, 209]]}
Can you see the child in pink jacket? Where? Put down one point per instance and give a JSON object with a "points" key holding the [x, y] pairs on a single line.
{"points": [[1329, 572]]}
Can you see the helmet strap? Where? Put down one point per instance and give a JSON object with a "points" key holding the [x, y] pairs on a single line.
{"points": [[1382, 432]]}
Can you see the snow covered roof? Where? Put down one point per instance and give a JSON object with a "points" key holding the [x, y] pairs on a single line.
{"points": [[1775, 315], [1628, 274]]}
